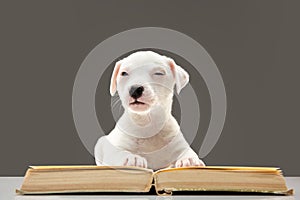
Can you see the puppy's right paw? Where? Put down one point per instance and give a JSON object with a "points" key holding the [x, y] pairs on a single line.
{"points": [[135, 160], [188, 162]]}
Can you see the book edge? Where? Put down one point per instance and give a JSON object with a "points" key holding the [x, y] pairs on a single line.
{"points": [[24, 192], [169, 191], [224, 168], [86, 167]]}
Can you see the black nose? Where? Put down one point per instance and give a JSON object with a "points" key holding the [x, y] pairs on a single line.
{"points": [[136, 91]]}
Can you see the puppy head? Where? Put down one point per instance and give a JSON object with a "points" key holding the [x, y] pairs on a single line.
{"points": [[144, 79]]}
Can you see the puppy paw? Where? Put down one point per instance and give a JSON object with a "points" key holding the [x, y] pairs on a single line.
{"points": [[187, 162], [135, 160]]}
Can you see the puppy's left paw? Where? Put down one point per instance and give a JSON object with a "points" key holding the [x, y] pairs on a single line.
{"points": [[188, 162], [135, 160]]}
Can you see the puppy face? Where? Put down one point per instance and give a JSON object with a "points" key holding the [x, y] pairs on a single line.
{"points": [[145, 79]]}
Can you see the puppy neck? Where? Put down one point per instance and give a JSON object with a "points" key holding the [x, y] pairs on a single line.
{"points": [[143, 125], [140, 119]]}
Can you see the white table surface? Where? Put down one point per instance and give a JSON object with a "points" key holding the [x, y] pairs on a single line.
{"points": [[8, 185]]}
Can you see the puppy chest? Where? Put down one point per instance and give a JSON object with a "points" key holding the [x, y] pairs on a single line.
{"points": [[150, 144]]}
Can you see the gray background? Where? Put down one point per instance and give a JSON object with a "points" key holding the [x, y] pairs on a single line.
{"points": [[255, 44]]}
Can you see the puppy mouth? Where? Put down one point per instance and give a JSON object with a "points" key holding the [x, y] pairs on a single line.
{"points": [[138, 106], [136, 102]]}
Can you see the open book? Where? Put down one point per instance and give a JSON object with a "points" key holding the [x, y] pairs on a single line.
{"points": [[70, 179]]}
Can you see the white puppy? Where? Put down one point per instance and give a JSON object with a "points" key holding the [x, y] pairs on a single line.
{"points": [[146, 135]]}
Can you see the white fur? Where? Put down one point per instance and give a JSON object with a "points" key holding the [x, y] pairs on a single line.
{"points": [[147, 135]]}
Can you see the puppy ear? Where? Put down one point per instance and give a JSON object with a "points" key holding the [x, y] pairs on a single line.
{"points": [[113, 80], [180, 75]]}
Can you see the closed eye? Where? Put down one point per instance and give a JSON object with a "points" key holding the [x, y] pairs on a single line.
{"points": [[159, 73], [124, 74]]}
